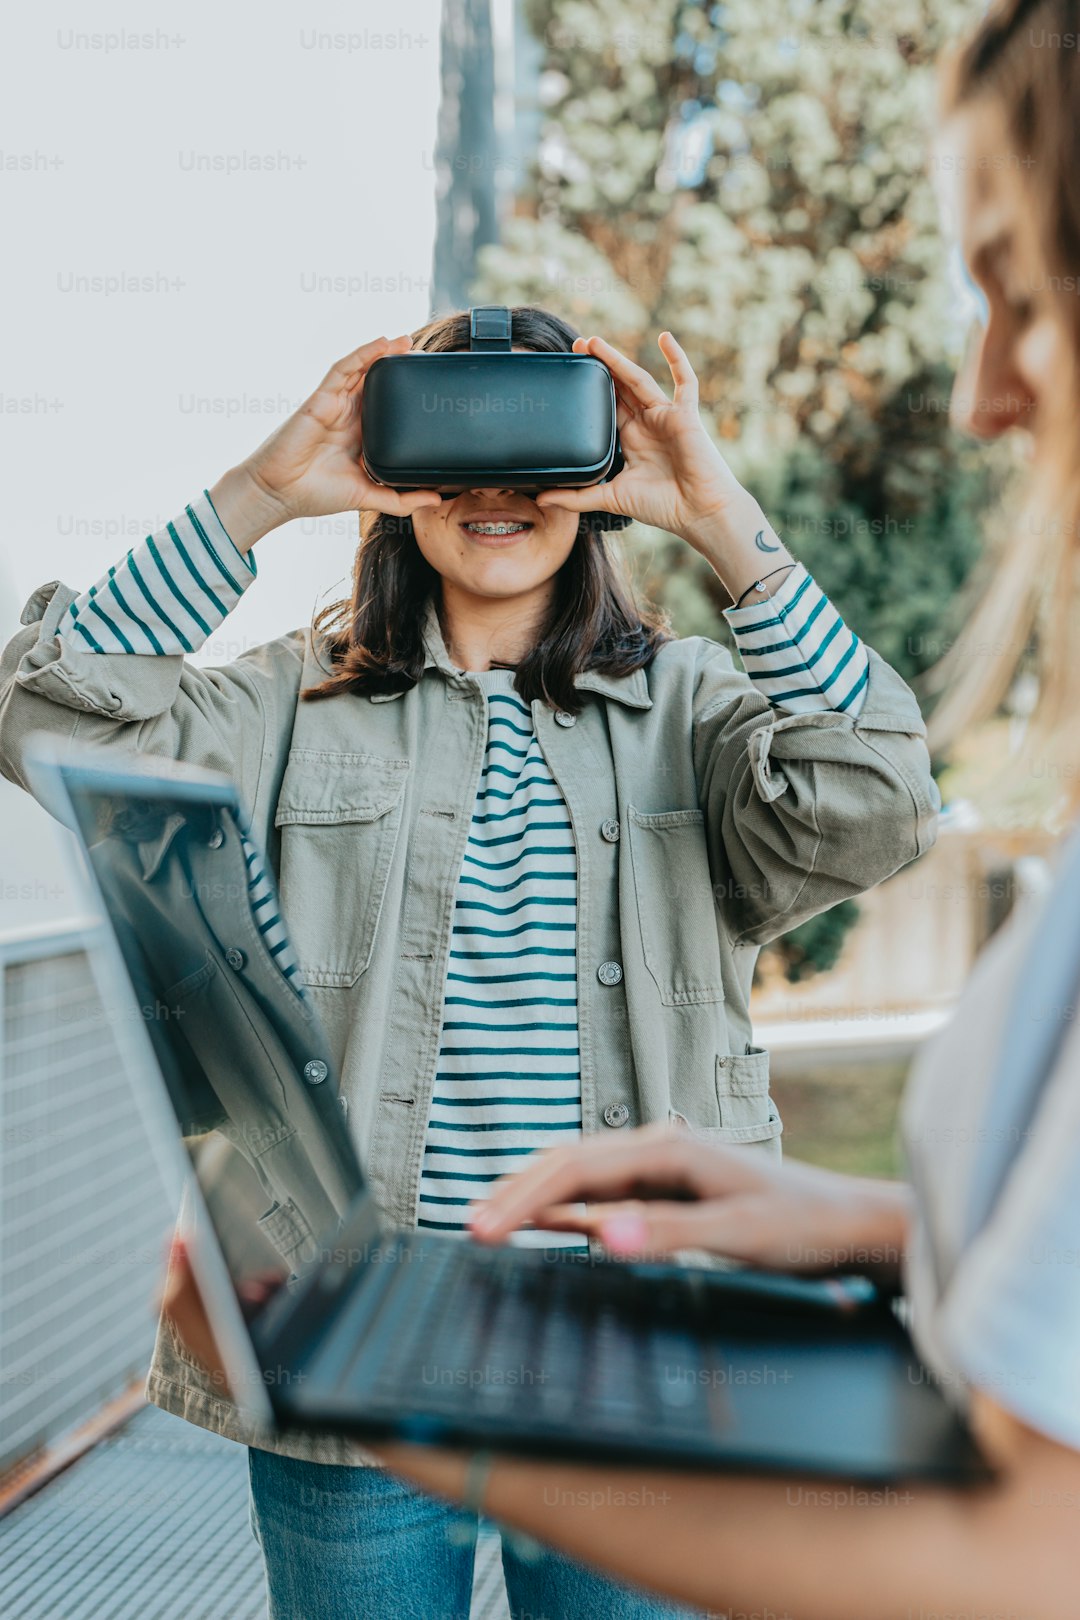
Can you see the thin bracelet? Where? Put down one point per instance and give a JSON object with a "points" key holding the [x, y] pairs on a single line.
{"points": [[759, 584], [477, 1474]]}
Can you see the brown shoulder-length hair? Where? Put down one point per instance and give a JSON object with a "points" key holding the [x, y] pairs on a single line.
{"points": [[1021, 58], [375, 636]]}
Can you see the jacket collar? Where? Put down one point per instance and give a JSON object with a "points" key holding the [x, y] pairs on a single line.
{"points": [[631, 690], [152, 851]]}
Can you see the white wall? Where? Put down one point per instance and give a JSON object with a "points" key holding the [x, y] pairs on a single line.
{"points": [[107, 433], [117, 405]]}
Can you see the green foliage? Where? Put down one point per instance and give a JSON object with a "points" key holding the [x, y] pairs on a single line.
{"points": [[754, 176], [815, 946]]}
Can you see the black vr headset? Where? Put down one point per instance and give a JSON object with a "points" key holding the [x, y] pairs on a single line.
{"points": [[486, 417]]}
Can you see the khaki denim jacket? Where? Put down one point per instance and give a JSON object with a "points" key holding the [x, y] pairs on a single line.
{"points": [[706, 823]]}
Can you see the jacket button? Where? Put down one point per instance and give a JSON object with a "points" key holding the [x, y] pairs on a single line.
{"points": [[609, 973], [562, 718], [609, 831], [216, 839], [315, 1072], [344, 1101], [616, 1114], [235, 958]]}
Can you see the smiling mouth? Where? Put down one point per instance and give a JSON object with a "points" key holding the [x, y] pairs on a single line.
{"points": [[499, 528]]}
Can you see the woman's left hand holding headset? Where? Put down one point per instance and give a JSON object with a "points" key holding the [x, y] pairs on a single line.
{"points": [[674, 477]]}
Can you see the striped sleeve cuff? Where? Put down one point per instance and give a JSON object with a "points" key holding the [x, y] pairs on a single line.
{"points": [[167, 595], [798, 651]]}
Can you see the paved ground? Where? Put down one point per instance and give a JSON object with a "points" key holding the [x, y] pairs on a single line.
{"points": [[152, 1525]]}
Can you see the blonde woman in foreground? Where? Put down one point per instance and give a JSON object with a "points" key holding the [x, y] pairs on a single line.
{"points": [[996, 1309]]}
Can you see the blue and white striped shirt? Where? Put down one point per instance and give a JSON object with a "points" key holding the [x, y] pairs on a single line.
{"points": [[798, 651], [168, 596], [508, 1078]]}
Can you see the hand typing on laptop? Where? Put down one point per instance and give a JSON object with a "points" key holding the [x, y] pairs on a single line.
{"points": [[661, 1189]]}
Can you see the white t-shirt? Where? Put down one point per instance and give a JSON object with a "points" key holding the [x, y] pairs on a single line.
{"points": [[998, 1309]]}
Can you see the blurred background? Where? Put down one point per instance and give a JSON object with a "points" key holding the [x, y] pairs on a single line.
{"points": [[209, 208]]}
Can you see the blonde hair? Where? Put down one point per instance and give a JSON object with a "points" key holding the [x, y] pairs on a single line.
{"points": [[1028, 612]]}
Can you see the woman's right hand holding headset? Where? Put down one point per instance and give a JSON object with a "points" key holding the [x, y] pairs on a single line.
{"points": [[311, 465]]}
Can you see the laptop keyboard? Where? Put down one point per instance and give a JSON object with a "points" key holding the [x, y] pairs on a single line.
{"points": [[458, 1330]]}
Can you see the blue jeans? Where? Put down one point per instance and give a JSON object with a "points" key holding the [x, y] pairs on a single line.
{"points": [[357, 1544]]}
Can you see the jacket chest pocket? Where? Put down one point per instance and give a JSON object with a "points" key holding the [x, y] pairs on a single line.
{"points": [[744, 1105], [676, 916], [338, 816], [747, 1111]]}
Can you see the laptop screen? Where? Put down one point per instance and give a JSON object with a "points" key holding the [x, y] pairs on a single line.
{"points": [[245, 1064]]}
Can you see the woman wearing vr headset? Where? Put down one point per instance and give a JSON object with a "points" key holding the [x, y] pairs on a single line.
{"points": [[528, 844]]}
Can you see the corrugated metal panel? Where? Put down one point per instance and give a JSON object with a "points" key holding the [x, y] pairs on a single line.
{"points": [[82, 1208]]}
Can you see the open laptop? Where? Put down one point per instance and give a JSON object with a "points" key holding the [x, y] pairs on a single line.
{"points": [[327, 1319]]}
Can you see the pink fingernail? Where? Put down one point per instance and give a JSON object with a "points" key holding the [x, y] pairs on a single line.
{"points": [[624, 1234]]}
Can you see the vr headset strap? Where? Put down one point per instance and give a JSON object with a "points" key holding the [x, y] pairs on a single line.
{"points": [[489, 328]]}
